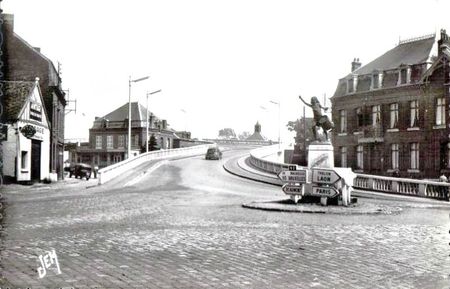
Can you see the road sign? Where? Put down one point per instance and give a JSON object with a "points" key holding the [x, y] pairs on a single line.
{"points": [[329, 192], [289, 189], [298, 176], [324, 176]]}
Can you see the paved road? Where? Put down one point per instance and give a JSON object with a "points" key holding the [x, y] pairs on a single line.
{"points": [[183, 227]]}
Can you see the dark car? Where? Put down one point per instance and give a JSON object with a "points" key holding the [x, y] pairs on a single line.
{"points": [[213, 154], [80, 170]]}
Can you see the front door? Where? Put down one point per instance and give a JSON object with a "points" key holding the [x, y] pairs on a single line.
{"points": [[35, 160]]}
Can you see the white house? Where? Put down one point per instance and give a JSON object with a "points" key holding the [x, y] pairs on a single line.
{"points": [[26, 148]]}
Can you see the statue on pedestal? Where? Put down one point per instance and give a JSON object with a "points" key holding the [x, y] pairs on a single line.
{"points": [[322, 123]]}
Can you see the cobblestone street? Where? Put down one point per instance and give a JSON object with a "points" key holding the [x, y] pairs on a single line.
{"points": [[183, 226]]}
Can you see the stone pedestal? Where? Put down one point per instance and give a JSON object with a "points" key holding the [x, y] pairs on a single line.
{"points": [[320, 155]]}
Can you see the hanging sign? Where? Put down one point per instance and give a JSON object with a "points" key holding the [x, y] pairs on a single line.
{"points": [[28, 131]]}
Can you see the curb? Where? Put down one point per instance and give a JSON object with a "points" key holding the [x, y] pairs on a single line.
{"points": [[311, 208]]}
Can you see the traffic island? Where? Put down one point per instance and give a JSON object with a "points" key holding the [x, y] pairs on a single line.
{"points": [[287, 205]]}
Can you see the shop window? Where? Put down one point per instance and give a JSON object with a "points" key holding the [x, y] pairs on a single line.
{"points": [[395, 156], [414, 153], [343, 120], [24, 160], [414, 113], [393, 111], [344, 157], [440, 111], [360, 157]]}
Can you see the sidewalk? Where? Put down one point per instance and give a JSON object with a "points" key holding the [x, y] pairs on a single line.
{"points": [[241, 167], [67, 183]]}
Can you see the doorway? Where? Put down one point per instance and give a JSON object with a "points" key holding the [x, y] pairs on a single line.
{"points": [[35, 160]]}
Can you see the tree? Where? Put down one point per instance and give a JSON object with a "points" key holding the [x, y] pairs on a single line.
{"points": [[152, 143], [244, 135], [227, 133], [299, 127]]}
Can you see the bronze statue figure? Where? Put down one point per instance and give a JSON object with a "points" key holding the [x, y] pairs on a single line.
{"points": [[320, 120]]}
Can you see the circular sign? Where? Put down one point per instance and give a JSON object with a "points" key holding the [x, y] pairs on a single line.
{"points": [[28, 131]]}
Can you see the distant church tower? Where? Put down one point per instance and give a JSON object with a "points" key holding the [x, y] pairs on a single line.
{"points": [[256, 136], [257, 127]]}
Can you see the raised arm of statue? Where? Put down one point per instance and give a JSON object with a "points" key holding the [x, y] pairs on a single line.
{"points": [[304, 101]]}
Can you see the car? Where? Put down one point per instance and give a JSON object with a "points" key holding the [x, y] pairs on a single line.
{"points": [[213, 154], [80, 170]]}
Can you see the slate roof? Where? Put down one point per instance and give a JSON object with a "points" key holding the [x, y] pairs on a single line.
{"points": [[16, 94], [256, 136], [407, 52], [138, 113]]}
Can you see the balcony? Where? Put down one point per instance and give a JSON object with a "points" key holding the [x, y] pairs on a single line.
{"points": [[371, 134]]}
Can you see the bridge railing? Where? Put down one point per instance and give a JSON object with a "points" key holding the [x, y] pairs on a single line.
{"points": [[257, 159], [400, 186], [112, 171]]}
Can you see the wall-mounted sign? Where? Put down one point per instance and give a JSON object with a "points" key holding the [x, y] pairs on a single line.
{"points": [[28, 131], [35, 111]]}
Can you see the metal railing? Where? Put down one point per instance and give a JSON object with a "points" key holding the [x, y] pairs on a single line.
{"points": [[112, 171], [400, 186]]}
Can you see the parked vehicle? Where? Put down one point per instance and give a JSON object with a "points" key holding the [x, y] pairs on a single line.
{"points": [[80, 170], [213, 154]]}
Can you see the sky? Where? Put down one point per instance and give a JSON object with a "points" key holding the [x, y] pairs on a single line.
{"points": [[218, 63]]}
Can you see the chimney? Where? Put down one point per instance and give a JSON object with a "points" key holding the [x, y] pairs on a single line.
{"points": [[444, 42], [355, 64], [38, 49], [164, 124]]}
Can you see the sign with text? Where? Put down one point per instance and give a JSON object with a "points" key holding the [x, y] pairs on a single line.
{"points": [[35, 111], [329, 192], [293, 190], [324, 176], [298, 176]]}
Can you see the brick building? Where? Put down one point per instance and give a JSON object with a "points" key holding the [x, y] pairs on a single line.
{"points": [[108, 137], [23, 62], [392, 115]]}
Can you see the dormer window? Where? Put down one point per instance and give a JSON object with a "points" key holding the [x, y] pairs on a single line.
{"points": [[352, 83], [377, 79], [404, 75]]}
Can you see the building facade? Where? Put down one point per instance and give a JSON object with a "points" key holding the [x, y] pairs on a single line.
{"points": [[108, 137], [24, 62], [26, 149], [392, 115]]}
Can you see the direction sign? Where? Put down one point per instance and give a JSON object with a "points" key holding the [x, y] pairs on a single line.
{"points": [[324, 176], [289, 189], [298, 176], [329, 192]]}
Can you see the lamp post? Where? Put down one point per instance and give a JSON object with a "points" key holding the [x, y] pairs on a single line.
{"points": [[185, 119], [279, 137], [129, 111], [146, 135]]}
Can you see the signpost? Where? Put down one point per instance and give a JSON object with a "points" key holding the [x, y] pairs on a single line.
{"points": [[328, 192], [297, 176], [324, 176], [290, 189]]}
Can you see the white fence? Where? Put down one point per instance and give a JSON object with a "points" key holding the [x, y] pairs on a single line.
{"points": [[110, 172], [401, 186]]}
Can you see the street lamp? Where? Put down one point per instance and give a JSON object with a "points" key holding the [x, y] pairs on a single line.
{"points": [[129, 111], [185, 119], [279, 138], [146, 136]]}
